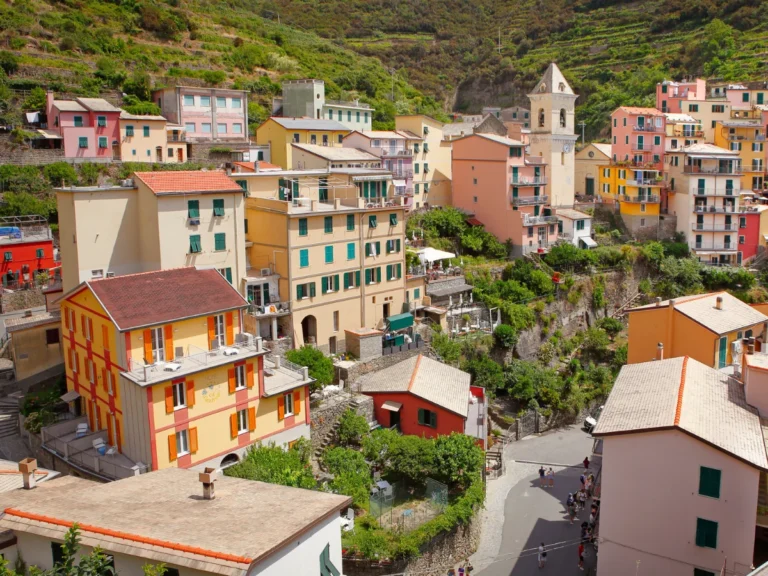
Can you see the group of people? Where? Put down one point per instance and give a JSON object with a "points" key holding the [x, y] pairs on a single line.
{"points": [[547, 477]]}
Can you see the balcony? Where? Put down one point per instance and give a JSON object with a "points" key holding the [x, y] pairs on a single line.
{"points": [[390, 152], [177, 137], [716, 209], [643, 147], [715, 192], [406, 193], [536, 220], [648, 128], [518, 181], [401, 174], [529, 200], [536, 249], [715, 246], [646, 182], [714, 227], [77, 449], [688, 133], [734, 171], [641, 199], [193, 360], [755, 167], [269, 310]]}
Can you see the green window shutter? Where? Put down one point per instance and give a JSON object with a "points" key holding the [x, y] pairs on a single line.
{"points": [[129, 130], [302, 226], [295, 188], [706, 533], [328, 224], [368, 249], [324, 284], [39, 253], [146, 131], [228, 274], [389, 246], [328, 254], [709, 482], [82, 142], [415, 167], [220, 241], [421, 416], [378, 248], [243, 184], [433, 419], [8, 256], [350, 251], [194, 244], [368, 275], [281, 189], [378, 274], [389, 271], [372, 221], [399, 271], [346, 280], [397, 245], [393, 219], [299, 291], [193, 208], [357, 279], [311, 289], [330, 114], [350, 221], [265, 293], [416, 293], [335, 281], [304, 258], [218, 207], [426, 167], [78, 121]]}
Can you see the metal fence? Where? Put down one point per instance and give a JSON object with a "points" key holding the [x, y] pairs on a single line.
{"points": [[402, 508]]}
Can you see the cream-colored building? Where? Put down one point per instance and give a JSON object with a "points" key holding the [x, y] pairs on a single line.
{"points": [[681, 130], [432, 162], [328, 253], [35, 347], [145, 138], [589, 161], [156, 221], [280, 133], [708, 113], [313, 156]]}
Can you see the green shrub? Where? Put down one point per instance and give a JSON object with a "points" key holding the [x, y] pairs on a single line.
{"points": [[458, 460], [59, 173], [505, 336], [320, 366], [272, 464], [9, 62], [612, 326], [352, 428], [485, 373]]}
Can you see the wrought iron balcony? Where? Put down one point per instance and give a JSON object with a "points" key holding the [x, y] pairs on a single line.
{"points": [[642, 199], [730, 192], [522, 181], [535, 220], [715, 246], [529, 200]]}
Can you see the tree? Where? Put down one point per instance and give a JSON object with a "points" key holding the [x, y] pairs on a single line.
{"points": [[139, 85], [595, 342], [377, 444], [320, 366], [9, 62], [458, 460], [94, 564], [59, 173], [485, 372], [412, 457], [133, 105], [505, 336], [36, 99], [612, 326], [24, 204], [272, 464], [352, 428]]}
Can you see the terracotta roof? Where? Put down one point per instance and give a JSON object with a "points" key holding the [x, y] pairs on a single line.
{"points": [[138, 300], [474, 222], [639, 110], [248, 166], [684, 394], [188, 182]]}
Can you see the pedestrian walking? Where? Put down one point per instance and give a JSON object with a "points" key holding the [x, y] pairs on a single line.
{"points": [[542, 556], [582, 499], [541, 476], [572, 511], [583, 480], [551, 476], [581, 555], [586, 462]]}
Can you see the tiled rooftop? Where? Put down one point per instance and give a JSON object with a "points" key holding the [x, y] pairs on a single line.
{"points": [[188, 182]]}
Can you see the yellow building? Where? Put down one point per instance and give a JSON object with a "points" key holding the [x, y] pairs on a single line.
{"points": [[590, 161], [637, 190], [682, 130], [708, 113], [747, 137], [431, 159], [704, 327], [280, 133], [158, 367], [145, 138], [155, 221], [35, 346], [328, 253]]}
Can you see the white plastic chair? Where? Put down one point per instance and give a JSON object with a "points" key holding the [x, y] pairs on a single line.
{"points": [[81, 430], [100, 446]]}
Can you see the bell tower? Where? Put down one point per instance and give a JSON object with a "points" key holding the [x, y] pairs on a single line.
{"points": [[553, 136]]}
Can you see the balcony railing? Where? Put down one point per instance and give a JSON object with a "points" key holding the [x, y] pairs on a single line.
{"points": [[177, 137], [688, 133], [529, 200], [521, 181], [535, 220], [755, 167], [645, 182], [647, 128], [715, 192], [719, 246], [712, 170], [716, 209], [271, 309], [714, 227], [642, 199], [393, 151], [737, 137], [642, 147], [401, 174]]}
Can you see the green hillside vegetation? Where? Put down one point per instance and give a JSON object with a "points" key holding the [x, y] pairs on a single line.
{"points": [[86, 47]]}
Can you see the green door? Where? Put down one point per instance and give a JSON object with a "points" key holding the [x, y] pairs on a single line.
{"points": [[514, 174], [323, 189], [590, 186], [702, 185], [759, 97], [699, 222], [723, 353]]}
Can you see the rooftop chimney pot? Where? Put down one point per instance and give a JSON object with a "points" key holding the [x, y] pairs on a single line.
{"points": [[27, 468], [658, 300], [208, 477], [719, 303], [660, 351]]}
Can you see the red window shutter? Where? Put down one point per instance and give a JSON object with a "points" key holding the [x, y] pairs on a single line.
{"points": [[233, 425], [169, 399], [169, 351], [252, 419], [228, 320], [231, 378], [297, 402], [190, 394], [280, 408], [147, 347], [193, 440], [249, 375], [172, 454]]}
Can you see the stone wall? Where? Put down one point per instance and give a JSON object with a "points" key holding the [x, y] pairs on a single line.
{"points": [[11, 153], [353, 373], [323, 416], [642, 227], [201, 151], [364, 346], [443, 552], [667, 226], [21, 300]]}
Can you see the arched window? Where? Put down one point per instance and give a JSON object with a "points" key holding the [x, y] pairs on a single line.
{"points": [[541, 117], [562, 117]]}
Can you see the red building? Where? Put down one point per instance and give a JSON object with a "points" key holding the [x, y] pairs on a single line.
{"points": [[26, 244], [749, 231], [423, 397]]}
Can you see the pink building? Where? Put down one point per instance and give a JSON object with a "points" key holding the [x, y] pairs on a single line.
{"points": [[89, 127], [638, 136], [670, 95], [207, 114], [495, 180], [682, 456]]}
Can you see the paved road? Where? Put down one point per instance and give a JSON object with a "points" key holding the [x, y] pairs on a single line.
{"points": [[533, 514]]}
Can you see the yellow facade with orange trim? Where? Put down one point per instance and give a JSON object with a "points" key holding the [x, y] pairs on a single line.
{"points": [[616, 184]]}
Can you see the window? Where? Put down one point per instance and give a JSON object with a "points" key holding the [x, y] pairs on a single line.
{"points": [[709, 482], [218, 207], [372, 221], [303, 258], [696, 572], [742, 222], [416, 168], [394, 271], [515, 152], [372, 275], [336, 319], [330, 114], [189, 100], [427, 418], [82, 142], [718, 108], [149, 153], [188, 126], [642, 207], [205, 101], [52, 336], [349, 115], [329, 254], [706, 533], [227, 273], [221, 128], [179, 395], [206, 127], [236, 103], [350, 222], [57, 552], [243, 184], [296, 138], [39, 253], [642, 221], [357, 116], [351, 251], [745, 97], [170, 155], [302, 226], [340, 138], [78, 121], [313, 138], [579, 224], [237, 128], [305, 291], [129, 131], [426, 167], [288, 401], [221, 102], [693, 107], [657, 140], [182, 443], [328, 224], [102, 141], [193, 208], [393, 246], [742, 240], [220, 241], [366, 117], [194, 244], [329, 284], [242, 421]]}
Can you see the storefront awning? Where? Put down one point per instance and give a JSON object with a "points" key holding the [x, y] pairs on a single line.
{"points": [[588, 242], [70, 396], [433, 255], [378, 178], [392, 406], [400, 321]]}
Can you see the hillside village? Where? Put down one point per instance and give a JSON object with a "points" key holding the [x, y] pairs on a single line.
{"points": [[380, 333]]}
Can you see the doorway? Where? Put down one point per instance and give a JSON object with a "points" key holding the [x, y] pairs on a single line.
{"points": [[332, 345], [309, 329], [394, 419], [542, 235], [180, 155], [590, 186], [158, 345], [386, 310], [159, 154]]}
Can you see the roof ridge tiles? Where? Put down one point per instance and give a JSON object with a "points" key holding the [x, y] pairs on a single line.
{"points": [[680, 391]]}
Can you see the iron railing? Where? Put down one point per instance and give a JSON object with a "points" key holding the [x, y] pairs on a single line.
{"points": [[529, 200]]}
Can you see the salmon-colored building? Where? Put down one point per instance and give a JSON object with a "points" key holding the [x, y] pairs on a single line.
{"points": [[423, 397], [638, 136], [89, 127], [682, 458], [495, 180], [670, 95]]}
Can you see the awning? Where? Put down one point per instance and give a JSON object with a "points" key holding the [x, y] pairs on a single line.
{"points": [[400, 183], [378, 178], [392, 406], [588, 242], [474, 222], [433, 255], [49, 135], [400, 321], [70, 396]]}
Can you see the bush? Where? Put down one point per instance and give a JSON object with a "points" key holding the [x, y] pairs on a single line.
{"points": [[612, 326], [485, 373], [9, 62], [352, 475], [320, 366], [505, 336], [272, 464], [60, 172], [36, 99], [458, 459], [352, 428]]}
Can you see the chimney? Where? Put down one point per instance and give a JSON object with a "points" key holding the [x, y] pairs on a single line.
{"points": [[208, 478], [256, 166], [658, 300], [27, 468], [750, 348], [660, 351], [719, 303]]}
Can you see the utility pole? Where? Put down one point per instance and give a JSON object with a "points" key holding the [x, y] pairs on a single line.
{"points": [[582, 124]]}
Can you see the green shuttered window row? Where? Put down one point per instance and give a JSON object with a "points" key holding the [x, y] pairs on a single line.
{"points": [[394, 271], [305, 291], [427, 418], [351, 280], [330, 284]]}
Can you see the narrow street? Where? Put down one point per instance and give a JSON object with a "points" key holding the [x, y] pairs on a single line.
{"points": [[520, 514]]}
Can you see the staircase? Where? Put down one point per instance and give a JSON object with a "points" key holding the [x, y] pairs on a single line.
{"points": [[537, 261], [621, 311], [9, 417]]}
